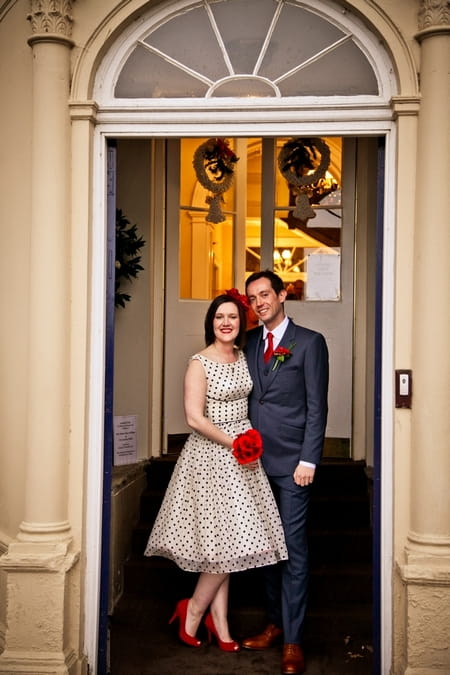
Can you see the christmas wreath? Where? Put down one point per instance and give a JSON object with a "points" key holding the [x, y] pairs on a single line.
{"points": [[299, 165], [214, 166], [127, 263]]}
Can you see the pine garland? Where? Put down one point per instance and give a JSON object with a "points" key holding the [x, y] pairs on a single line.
{"points": [[127, 263]]}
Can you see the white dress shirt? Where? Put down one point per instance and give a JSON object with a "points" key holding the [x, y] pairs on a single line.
{"points": [[277, 333]]}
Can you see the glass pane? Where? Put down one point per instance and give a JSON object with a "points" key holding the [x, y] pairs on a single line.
{"points": [[343, 72], [147, 75], [243, 25], [205, 247], [306, 248], [244, 87], [298, 36], [189, 39], [308, 220]]}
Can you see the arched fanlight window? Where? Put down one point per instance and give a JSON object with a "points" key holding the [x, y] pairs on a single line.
{"points": [[246, 48]]}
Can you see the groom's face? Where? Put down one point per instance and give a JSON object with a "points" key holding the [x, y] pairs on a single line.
{"points": [[266, 303]]}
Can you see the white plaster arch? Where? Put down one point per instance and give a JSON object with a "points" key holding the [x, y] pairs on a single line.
{"points": [[129, 17]]}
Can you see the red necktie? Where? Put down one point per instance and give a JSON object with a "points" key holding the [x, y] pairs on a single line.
{"points": [[269, 351]]}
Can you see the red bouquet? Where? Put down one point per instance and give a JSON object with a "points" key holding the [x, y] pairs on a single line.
{"points": [[248, 447]]}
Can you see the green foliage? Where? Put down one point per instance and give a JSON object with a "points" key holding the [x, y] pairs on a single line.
{"points": [[127, 263]]}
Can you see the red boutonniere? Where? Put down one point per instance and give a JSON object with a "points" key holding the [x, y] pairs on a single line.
{"points": [[248, 447], [281, 354]]}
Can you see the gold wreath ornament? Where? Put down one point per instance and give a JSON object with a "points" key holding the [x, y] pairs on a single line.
{"points": [[214, 162], [296, 159]]}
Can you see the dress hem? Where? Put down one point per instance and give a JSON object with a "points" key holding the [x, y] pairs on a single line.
{"points": [[219, 568]]}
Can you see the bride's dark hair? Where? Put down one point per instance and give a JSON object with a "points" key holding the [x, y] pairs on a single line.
{"points": [[211, 313]]}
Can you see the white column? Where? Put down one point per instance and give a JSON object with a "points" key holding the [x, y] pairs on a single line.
{"points": [[426, 573], [48, 405], [430, 506], [39, 562]]}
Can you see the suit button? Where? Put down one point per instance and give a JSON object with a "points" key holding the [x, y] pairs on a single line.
{"points": [[261, 401]]}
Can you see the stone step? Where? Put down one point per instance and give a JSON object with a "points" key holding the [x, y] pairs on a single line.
{"points": [[340, 546], [330, 586]]}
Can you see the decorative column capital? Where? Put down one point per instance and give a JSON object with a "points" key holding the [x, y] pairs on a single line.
{"points": [[51, 20], [433, 18]]}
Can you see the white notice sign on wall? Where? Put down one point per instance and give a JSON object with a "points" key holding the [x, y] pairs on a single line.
{"points": [[125, 439], [323, 276]]}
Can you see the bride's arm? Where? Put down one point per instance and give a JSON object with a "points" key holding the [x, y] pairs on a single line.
{"points": [[194, 405]]}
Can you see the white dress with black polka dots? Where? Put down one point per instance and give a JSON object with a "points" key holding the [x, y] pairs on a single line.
{"points": [[218, 515]]}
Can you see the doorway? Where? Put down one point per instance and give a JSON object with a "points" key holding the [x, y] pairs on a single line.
{"points": [[196, 105], [360, 266]]}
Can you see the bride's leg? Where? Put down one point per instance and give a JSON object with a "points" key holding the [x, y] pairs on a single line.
{"points": [[219, 610], [206, 590]]}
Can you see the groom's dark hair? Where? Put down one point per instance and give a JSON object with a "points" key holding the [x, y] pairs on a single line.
{"points": [[275, 280]]}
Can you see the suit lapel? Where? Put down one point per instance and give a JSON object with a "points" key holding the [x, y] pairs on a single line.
{"points": [[255, 357], [272, 372], [264, 375], [289, 336]]}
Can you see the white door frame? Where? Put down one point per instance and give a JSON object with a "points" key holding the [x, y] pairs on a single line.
{"points": [[97, 340]]}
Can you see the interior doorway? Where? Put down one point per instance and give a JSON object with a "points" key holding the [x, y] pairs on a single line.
{"points": [[259, 229]]}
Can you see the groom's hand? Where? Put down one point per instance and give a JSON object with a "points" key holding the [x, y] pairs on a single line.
{"points": [[304, 475]]}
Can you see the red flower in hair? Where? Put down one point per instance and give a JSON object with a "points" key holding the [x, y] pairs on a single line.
{"points": [[241, 299]]}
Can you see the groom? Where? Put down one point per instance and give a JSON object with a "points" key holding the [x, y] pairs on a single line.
{"points": [[288, 406]]}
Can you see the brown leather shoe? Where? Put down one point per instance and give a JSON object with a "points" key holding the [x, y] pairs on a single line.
{"points": [[293, 662], [270, 635]]}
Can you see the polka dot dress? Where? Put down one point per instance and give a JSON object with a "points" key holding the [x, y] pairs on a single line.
{"points": [[219, 516]]}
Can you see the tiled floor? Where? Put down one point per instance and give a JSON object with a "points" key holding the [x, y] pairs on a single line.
{"points": [[338, 631], [142, 643]]}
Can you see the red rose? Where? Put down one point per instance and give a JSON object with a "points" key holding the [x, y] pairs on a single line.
{"points": [[281, 351], [247, 447]]}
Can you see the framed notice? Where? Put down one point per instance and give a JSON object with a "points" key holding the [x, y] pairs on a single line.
{"points": [[323, 281], [125, 439]]}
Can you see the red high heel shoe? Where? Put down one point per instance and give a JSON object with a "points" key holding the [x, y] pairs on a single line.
{"points": [[180, 614], [232, 646]]}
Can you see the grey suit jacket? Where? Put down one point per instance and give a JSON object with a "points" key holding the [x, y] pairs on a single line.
{"points": [[288, 404]]}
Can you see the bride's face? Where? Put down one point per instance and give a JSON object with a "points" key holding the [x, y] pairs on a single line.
{"points": [[226, 322]]}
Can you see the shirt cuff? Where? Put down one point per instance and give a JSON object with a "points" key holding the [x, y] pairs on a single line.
{"points": [[309, 464]]}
